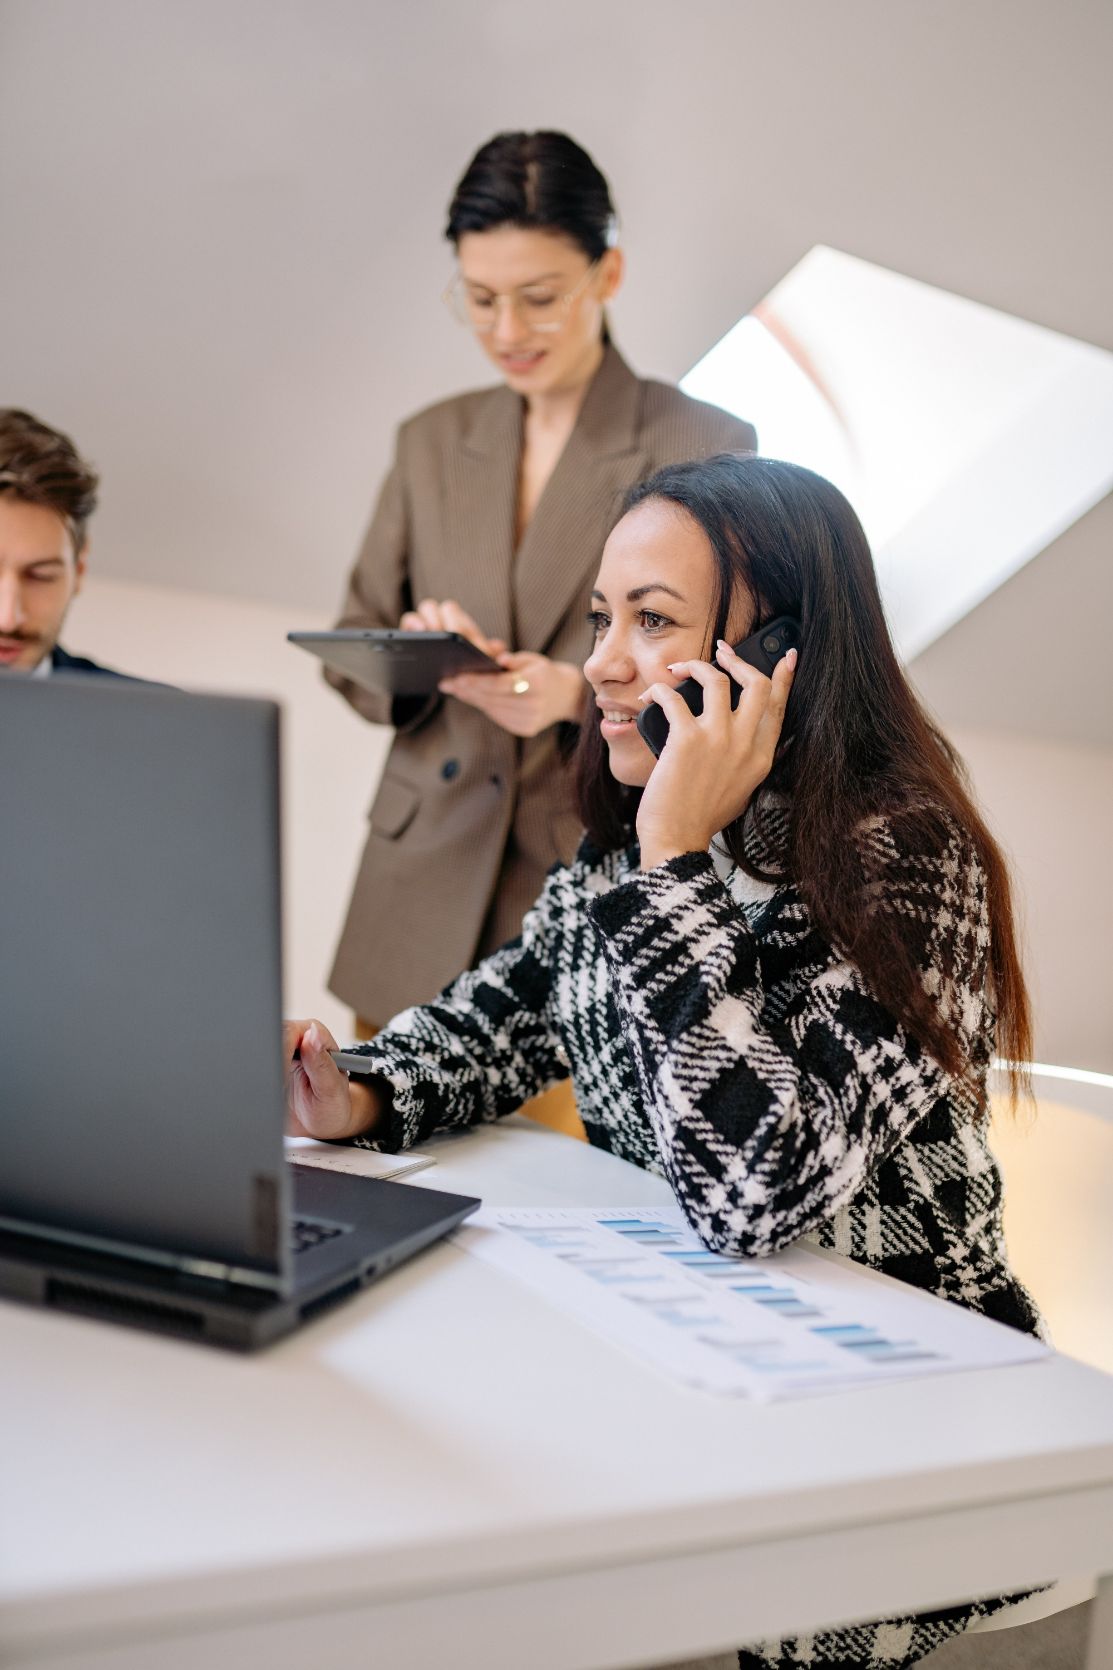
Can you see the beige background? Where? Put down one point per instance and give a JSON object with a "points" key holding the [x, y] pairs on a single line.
{"points": [[222, 252]]}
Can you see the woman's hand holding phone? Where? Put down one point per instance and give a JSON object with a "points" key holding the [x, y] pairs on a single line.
{"points": [[712, 762], [321, 1101]]}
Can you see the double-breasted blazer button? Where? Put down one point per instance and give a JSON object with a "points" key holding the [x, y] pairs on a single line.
{"points": [[450, 769]]}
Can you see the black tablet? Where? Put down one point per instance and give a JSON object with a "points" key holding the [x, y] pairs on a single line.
{"points": [[397, 663]]}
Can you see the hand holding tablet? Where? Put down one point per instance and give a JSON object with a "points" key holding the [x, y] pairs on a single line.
{"points": [[394, 661]]}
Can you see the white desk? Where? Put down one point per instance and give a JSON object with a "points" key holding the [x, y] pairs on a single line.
{"points": [[445, 1473]]}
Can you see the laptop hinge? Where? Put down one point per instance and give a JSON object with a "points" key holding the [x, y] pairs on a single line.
{"points": [[206, 1269]]}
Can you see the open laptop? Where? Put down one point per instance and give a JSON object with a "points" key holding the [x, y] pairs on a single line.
{"points": [[142, 1171]]}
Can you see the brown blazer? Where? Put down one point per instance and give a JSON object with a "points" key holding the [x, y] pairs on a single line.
{"points": [[468, 819]]}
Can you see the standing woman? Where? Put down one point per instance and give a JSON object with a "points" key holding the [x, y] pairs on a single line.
{"points": [[491, 523]]}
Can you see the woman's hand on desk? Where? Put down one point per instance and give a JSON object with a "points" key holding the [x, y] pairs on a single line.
{"points": [[532, 694], [321, 1101]]}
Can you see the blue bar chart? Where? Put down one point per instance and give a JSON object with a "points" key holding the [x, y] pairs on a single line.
{"points": [[790, 1325]]}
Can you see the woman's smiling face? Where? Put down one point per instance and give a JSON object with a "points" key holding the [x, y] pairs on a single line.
{"points": [[653, 604], [512, 275]]}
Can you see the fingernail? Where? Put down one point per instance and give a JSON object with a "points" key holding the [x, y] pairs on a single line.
{"points": [[643, 695], [791, 658], [722, 644]]}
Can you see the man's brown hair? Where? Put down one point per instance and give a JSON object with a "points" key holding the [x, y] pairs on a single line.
{"points": [[42, 466]]}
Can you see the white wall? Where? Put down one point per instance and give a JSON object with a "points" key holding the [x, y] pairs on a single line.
{"points": [[1058, 1171], [331, 759], [1051, 805], [1024, 684], [222, 221]]}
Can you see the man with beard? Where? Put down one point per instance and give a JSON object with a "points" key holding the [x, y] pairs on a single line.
{"points": [[47, 495]]}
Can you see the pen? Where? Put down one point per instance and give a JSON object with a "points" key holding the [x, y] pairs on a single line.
{"points": [[348, 1061]]}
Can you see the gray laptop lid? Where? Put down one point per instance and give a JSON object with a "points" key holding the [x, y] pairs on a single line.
{"points": [[140, 984]]}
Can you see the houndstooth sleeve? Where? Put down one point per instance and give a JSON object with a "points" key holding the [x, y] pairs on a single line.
{"points": [[770, 1116], [481, 1048]]}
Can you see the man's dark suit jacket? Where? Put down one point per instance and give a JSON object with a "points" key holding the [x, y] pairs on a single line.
{"points": [[63, 662]]}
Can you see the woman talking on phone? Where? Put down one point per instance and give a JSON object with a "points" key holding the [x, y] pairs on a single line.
{"points": [[784, 956], [490, 523]]}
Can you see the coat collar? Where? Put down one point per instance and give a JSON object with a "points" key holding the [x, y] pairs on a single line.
{"points": [[609, 417], [522, 595], [560, 550], [607, 421]]}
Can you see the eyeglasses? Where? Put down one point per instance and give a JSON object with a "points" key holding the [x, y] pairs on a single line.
{"points": [[537, 306]]}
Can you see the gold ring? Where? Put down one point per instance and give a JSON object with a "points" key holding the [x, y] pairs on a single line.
{"points": [[520, 686]]}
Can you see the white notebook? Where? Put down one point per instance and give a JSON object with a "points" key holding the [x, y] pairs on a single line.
{"points": [[359, 1162]]}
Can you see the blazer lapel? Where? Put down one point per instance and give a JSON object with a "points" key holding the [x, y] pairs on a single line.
{"points": [[564, 540], [480, 511]]}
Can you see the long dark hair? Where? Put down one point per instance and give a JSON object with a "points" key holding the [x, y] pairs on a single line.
{"points": [[856, 742], [540, 180]]}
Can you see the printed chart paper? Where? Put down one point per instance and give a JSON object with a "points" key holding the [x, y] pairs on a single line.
{"points": [[779, 1327]]}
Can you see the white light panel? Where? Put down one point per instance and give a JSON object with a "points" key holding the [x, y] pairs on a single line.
{"points": [[966, 439]]}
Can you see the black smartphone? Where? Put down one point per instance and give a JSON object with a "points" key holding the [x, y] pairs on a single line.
{"points": [[762, 649]]}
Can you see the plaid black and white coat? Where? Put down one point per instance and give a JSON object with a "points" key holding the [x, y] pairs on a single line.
{"points": [[715, 1038]]}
